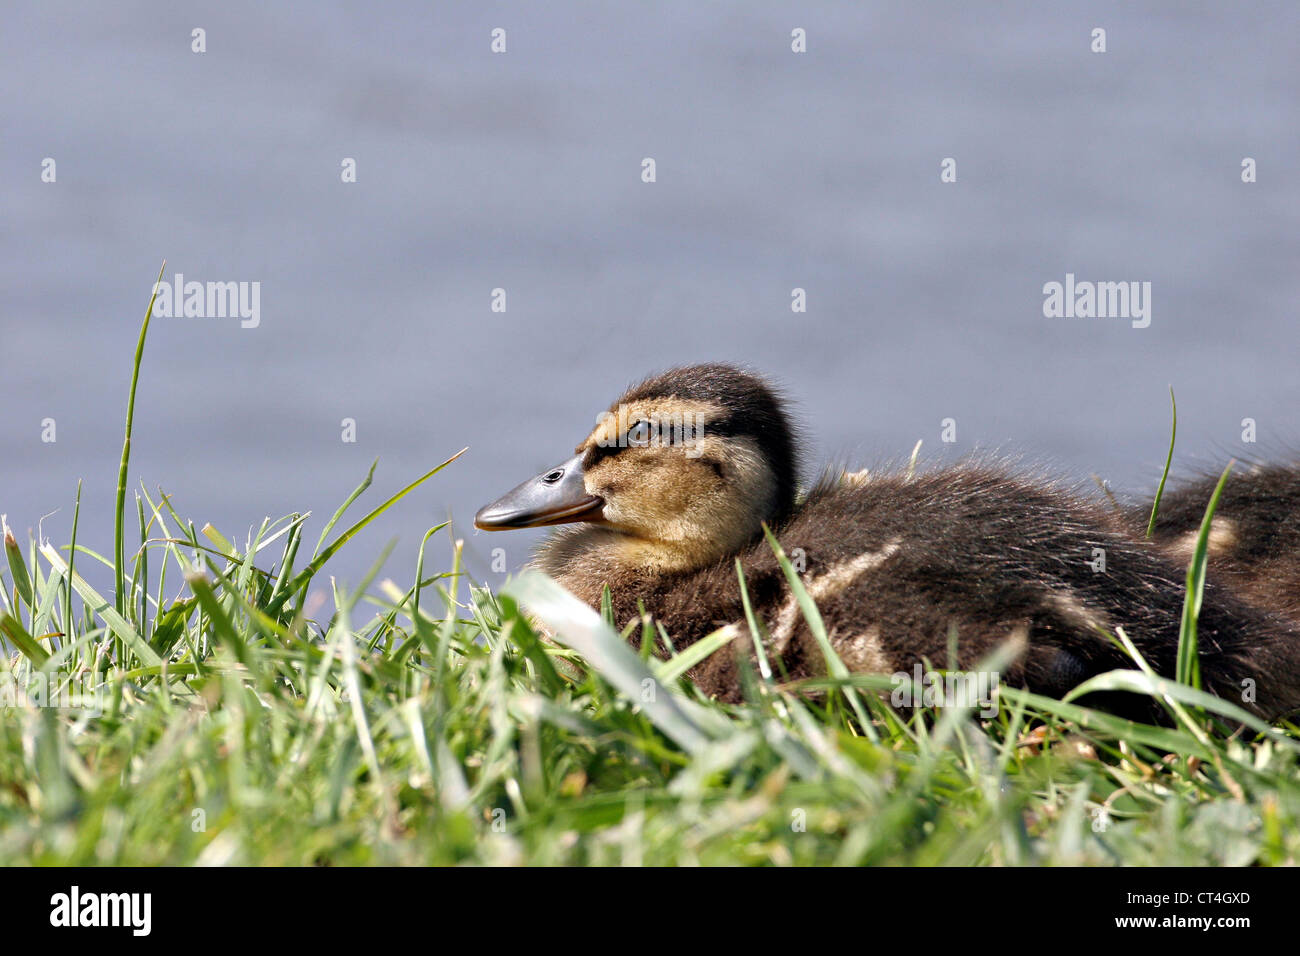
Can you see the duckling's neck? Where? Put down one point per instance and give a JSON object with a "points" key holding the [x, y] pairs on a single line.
{"points": [[586, 558]]}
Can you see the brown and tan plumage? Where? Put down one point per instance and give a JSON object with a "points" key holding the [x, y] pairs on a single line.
{"points": [[896, 563], [1254, 541]]}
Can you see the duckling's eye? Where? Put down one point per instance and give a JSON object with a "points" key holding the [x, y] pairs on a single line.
{"points": [[639, 434]]}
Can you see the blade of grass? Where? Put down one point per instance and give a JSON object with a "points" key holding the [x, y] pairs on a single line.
{"points": [[117, 624], [307, 573], [20, 639], [1189, 665], [17, 567], [672, 669], [356, 493], [119, 512], [1137, 682], [756, 629], [582, 628], [1160, 490], [834, 666], [72, 555]]}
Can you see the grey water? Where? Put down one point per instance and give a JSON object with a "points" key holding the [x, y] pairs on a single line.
{"points": [[522, 171]]}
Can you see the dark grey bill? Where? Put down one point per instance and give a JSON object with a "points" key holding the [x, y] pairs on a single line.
{"points": [[556, 496]]}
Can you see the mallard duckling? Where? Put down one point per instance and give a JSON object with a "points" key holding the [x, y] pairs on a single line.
{"points": [[1254, 540], [677, 479]]}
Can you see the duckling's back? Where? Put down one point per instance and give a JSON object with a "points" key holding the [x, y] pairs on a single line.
{"points": [[1254, 541]]}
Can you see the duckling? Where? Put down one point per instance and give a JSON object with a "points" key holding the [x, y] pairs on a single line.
{"points": [[1254, 540], [679, 476]]}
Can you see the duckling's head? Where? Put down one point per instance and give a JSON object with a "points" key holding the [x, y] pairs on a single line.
{"points": [[678, 473]]}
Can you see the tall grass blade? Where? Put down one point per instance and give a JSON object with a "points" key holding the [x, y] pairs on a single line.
{"points": [[1160, 490], [578, 626], [119, 512], [307, 573], [1189, 667]]}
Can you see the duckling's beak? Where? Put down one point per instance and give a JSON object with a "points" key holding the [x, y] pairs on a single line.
{"points": [[556, 496]]}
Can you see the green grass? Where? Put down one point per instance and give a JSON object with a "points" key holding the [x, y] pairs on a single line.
{"points": [[253, 710]]}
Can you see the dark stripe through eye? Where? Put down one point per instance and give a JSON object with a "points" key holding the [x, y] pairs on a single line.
{"points": [[645, 433], [598, 453]]}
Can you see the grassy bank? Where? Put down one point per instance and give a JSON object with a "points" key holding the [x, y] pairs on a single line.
{"points": [[234, 704]]}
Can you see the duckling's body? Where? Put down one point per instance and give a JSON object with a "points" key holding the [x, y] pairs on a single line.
{"points": [[895, 563]]}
